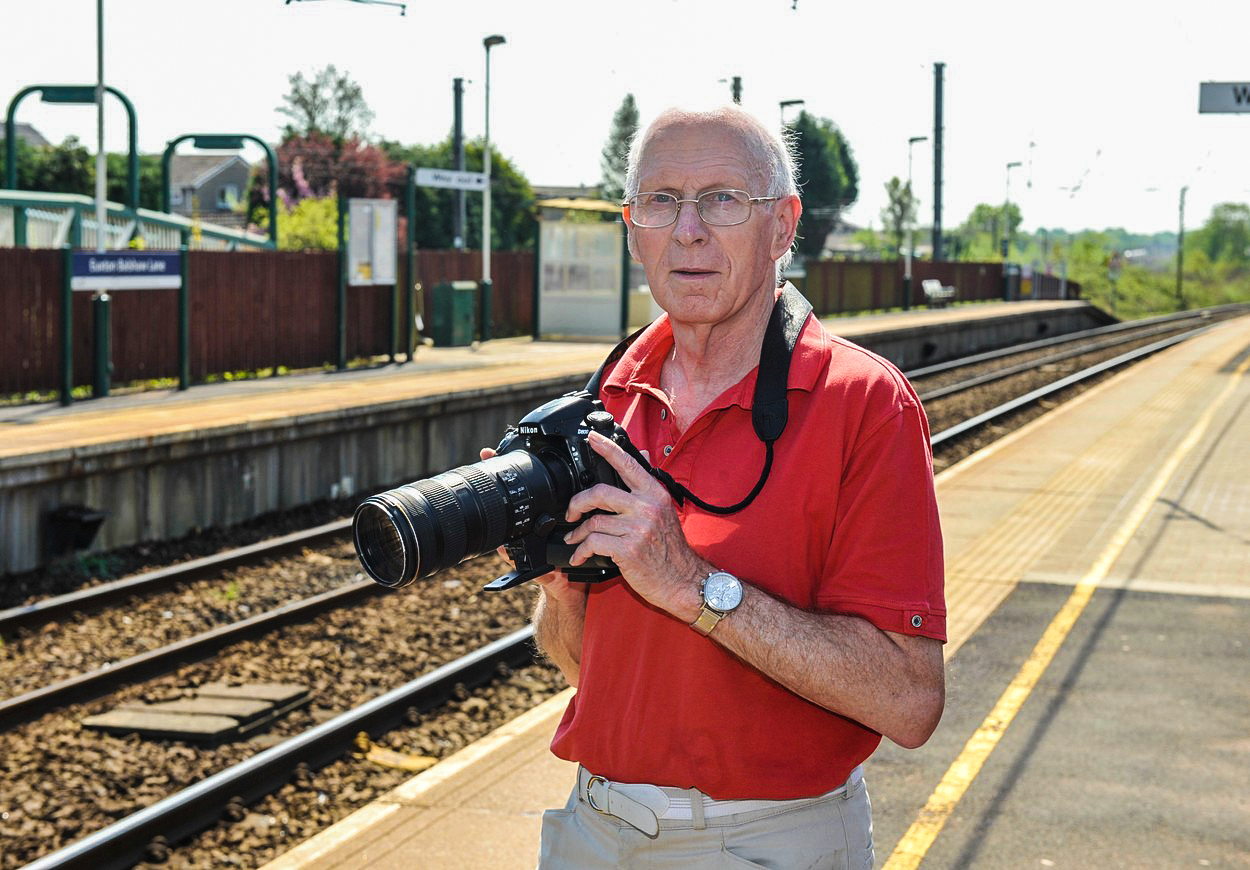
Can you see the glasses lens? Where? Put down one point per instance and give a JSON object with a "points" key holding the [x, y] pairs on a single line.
{"points": [[724, 208], [653, 209]]}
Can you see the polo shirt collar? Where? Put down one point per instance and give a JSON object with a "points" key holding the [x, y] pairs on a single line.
{"points": [[638, 370]]}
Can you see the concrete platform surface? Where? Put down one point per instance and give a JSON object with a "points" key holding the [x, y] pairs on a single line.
{"points": [[1098, 580], [152, 414]]}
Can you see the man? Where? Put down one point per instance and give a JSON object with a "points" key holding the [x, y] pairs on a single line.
{"points": [[734, 677]]}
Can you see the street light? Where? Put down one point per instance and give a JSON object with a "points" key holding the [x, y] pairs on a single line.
{"points": [[1007, 209], [484, 327], [907, 216], [785, 104], [1180, 254]]}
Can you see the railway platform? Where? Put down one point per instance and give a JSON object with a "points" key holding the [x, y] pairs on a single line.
{"points": [[162, 463], [1098, 585]]}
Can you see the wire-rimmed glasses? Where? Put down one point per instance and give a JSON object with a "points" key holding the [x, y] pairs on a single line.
{"points": [[717, 208]]}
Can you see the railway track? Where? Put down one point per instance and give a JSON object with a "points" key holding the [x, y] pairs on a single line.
{"points": [[183, 812]]}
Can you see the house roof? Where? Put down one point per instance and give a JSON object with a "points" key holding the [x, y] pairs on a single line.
{"points": [[195, 170], [28, 134]]}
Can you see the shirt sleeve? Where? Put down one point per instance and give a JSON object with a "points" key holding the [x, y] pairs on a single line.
{"points": [[885, 562]]}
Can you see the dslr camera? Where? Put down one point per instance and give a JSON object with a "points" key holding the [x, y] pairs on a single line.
{"points": [[516, 499]]}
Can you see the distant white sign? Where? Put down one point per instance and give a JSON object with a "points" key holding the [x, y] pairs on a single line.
{"points": [[1224, 97], [452, 179], [371, 246]]}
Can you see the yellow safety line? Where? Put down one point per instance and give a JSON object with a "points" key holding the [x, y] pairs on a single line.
{"points": [[912, 848]]}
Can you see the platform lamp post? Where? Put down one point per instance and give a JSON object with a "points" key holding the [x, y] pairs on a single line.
{"points": [[1006, 248], [785, 104], [1180, 254], [907, 216], [483, 326]]}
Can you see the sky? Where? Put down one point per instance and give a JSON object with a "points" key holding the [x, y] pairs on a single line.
{"points": [[1097, 100]]}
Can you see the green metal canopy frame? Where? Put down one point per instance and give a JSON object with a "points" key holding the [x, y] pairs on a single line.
{"points": [[226, 142], [77, 94]]}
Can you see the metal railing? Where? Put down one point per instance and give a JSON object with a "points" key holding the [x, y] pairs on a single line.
{"points": [[53, 220]]}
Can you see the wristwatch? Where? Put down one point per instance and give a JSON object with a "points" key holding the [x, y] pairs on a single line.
{"points": [[722, 593]]}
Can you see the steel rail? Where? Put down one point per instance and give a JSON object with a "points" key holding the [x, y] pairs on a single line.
{"points": [[100, 681], [1029, 398], [60, 605], [124, 843], [189, 811], [1053, 341], [1029, 365]]}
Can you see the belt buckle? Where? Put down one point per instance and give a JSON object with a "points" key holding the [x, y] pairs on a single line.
{"points": [[590, 795]]}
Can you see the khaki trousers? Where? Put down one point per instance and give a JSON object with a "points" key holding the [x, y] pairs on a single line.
{"points": [[831, 831]]}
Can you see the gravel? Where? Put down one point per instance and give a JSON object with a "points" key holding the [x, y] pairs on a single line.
{"points": [[59, 782]]}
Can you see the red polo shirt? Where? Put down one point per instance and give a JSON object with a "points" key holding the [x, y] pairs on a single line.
{"points": [[847, 523]]}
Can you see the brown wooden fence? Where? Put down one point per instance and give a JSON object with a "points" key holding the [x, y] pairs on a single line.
{"points": [[257, 310], [248, 311], [843, 286]]}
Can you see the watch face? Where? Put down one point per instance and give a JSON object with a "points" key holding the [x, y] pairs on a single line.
{"points": [[722, 592]]}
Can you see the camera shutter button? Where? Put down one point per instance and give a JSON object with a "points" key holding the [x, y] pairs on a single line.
{"points": [[602, 422]]}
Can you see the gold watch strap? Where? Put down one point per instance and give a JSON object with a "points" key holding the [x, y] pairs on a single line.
{"points": [[707, 620]]}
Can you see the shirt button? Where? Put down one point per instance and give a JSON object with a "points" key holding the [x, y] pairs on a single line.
{"points": [[668, 449], [664, 413], [917, 621]]}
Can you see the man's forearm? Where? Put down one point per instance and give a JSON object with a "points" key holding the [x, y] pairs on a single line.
{"points": [[890, 682], [558, 631]]}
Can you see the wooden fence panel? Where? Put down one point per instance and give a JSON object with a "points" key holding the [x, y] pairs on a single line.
{"points": [[30, 318]]}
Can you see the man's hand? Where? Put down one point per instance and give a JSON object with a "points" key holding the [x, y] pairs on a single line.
{"points": [[558, 615], [640, 532]]}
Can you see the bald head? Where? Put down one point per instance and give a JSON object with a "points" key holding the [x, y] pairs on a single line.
{"points": [[771, 157]]}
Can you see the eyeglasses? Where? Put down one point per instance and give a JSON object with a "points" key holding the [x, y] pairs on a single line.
{"points": [[717, 208]]}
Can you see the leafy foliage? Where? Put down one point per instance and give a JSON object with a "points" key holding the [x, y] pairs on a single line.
{"points": [[899, 211], [616, 150], [330, 103], [828, 179], [308, 225], [512, 198], [70, 168]]}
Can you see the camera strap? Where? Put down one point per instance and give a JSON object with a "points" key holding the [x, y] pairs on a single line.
{"points": [[770, 407]]}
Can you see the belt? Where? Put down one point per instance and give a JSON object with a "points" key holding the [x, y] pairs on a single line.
{"points": [[644, 806]]}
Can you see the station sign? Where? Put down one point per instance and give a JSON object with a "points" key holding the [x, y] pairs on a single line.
{"points": [[371, 244], [126, 270], [1224, 97], [451, 178]]}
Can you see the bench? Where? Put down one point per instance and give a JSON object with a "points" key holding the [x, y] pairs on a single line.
{"points": [[936, 294]]}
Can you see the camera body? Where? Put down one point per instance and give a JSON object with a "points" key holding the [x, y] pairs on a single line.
{"points": [[517, 499], [557, 432]]}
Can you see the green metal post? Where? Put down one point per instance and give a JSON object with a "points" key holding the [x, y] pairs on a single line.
{"points": [[625, 288], [538, 274], [67, 325], [226, 141], [184, 320], [411, 260], [77, 95], [341, 308], [103, 368], [483, 313], [19, 226], [395, 316]]}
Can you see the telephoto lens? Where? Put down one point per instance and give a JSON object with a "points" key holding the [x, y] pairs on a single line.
{"points": [[420, 528]]}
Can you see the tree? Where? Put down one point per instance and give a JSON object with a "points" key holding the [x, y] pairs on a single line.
{"points": [[978, 237], [331, 103], [828, 178], [70, 168], [1225, 237], [512, 198], [616, 150], [899, 212]]}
